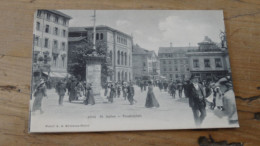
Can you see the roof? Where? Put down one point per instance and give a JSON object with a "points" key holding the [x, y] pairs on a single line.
{"points": [[77, 29], [59, 13], [175, 49], [75, 39], [139, 50]]}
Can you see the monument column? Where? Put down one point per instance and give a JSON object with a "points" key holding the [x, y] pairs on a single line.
{"points": [[93, 72]]}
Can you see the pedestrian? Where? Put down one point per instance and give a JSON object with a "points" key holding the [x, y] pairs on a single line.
{"points": [[180, 88], [89, 95], [173, 89], [73, 90], [150, 98], [218, 98], [112, 93], [165, 85], [197, 101], [124, 88], [142, 85], [118, 90], [160, 85], [145, 85], [40, 92], [130, 93], [61, 90], [68, 84], [185, 84], [106, 86]]}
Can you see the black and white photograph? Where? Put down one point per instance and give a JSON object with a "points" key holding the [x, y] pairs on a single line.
{"points": [[126, 70]]}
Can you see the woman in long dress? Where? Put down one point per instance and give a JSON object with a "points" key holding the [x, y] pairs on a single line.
{"points": [[112, 93], [150, 98], [219, 99], [89, 96]]}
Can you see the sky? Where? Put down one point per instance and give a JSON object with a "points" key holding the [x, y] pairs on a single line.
{"points": [[152, 29]]}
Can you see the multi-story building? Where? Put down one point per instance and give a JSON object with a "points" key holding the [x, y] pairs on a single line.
{"points": [[145, 63], [174, 62], [208, 60], [119, 47], [51, 42]]}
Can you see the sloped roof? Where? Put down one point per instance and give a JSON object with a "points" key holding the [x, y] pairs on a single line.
{"points": [[75, 39], [59, 13], [175, 49], [77, 29], [87, 28], [139, 50]]}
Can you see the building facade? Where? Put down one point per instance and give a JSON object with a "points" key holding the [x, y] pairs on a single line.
{"points": [[145, 63], [51, 41], [174, 63], [208, 61], [119, 48]]}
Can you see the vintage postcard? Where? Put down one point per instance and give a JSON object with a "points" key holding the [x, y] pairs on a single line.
{"points": [[125, 70]]}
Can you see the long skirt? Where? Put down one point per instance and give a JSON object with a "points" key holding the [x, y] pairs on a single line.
{"points": [[151, 100], [72, 96], [110, 98], [90, 100], [130, 98]]}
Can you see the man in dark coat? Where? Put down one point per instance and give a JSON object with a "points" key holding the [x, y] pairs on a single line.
{"points": [[131, 93], [197, 101], [61, 90], [180, 88]]}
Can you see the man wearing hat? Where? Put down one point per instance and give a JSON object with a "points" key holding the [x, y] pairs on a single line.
{"points": [[196, 95]]}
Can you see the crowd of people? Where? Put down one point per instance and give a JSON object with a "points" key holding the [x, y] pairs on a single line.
{"points": [[197, 92]]}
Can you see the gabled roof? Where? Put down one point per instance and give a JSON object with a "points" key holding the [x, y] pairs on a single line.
{"points": [[175, 49]]}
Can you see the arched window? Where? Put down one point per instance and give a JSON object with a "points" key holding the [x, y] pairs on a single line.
{"points": [[122, 75], [122, 58], [129, 60], [111, 55], [97, 36], [125, 59], [101, 36], [118, 57], [118, 76], [125, 76]]}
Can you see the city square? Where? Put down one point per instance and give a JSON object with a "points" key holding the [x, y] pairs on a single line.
{"points": [[98, 76]]}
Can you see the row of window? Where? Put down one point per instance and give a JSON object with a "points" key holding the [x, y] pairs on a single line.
{"points": [[121, 40], [45, 60], [169, 55], [123, 76], [46, 43], [99, 36], [52, 17], [176, 61], [47, 29], [175, 69], [176, 76], [121, 58], [207, 63]]}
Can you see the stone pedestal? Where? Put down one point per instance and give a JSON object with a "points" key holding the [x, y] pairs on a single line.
{"points": [[93, 75]]}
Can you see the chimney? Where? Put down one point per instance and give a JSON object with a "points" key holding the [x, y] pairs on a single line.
{"points": [[171, 44]]}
